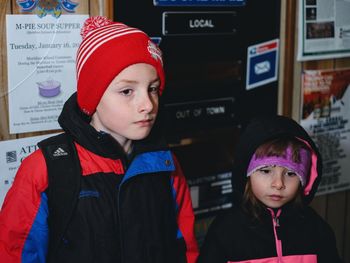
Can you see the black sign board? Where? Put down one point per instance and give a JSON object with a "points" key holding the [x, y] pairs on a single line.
{"points": [[198, 3], [198, 23], [199, 114], [205, 44]]}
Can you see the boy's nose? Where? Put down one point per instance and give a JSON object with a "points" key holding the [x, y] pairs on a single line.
{"points": [[146, 104], [278, 182]]}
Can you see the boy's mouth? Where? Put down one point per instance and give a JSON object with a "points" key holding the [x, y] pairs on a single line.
{"points": [[144, 122]]}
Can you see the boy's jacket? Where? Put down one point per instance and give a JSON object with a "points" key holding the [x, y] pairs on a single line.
{"points": [[114, 208], [290, 234]]}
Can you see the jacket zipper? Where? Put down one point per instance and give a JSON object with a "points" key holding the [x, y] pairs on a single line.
{"points": [[119, 210], [119, 217], [275, 222], [120, 225]]}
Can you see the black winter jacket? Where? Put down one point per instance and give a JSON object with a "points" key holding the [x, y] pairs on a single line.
{"points": [[128, 209]]}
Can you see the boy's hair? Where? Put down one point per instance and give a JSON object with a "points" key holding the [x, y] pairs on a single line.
{"points": [[276, 147], [106, 49]]}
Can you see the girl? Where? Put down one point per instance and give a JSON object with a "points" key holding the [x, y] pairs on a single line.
{"points": [[276, 173]]}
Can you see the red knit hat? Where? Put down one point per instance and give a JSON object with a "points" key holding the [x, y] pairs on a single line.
{"points": [[106, 49]]}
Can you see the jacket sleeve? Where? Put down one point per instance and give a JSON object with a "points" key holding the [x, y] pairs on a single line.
{"points": [[185, 215], [213, 247], [23, 217], [328, 251]]}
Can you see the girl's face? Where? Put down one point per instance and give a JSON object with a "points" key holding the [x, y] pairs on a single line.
{"points": [[129, 106], [274, 186]]}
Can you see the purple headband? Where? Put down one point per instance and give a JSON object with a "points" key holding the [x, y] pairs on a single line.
{"points": [[301, 169]]}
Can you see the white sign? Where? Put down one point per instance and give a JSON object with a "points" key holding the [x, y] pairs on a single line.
{"points": [[326, 117], [41, 68], [324, 29], [12, 152]]}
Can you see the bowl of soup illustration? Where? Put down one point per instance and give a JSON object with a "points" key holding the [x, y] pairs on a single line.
{"points": [[49, 88]]}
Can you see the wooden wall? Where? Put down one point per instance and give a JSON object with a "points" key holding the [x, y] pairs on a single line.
{"points": [[334, 208]]}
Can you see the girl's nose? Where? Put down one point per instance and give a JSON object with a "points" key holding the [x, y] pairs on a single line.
{"points": [[278, 181]]}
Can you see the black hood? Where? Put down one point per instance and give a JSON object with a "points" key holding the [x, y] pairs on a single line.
{"points": [[261, 130], [77, 124]]}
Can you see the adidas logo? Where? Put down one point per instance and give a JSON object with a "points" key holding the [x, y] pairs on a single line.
{"points": [[59, 152]]}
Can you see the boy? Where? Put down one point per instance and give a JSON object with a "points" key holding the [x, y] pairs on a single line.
{"points": [[107, 189]]}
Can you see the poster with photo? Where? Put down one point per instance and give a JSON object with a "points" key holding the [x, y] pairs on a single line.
{"points": [[326, 115], [41, 68], [324, 29], [12, 153]]}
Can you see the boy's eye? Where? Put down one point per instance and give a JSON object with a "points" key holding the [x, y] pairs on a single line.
{"points": [[153, 89]]}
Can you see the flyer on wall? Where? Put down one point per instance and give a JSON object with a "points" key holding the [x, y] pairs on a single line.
{"points": [[324, 29], [41, 68], [12, 153], [326, 115]]}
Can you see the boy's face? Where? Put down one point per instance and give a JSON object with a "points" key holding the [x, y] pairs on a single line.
{"points": [[129, 106], [274, 186]]}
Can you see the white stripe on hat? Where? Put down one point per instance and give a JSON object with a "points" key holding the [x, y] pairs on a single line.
{"points": [[81, 64], [90, 43], [99, 38], [96, 34]]}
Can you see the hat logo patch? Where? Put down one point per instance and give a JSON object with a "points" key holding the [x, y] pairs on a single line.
{"points": [[155, 51]]}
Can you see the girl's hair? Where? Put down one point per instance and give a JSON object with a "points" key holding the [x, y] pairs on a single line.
{"points": [[276, 147]]}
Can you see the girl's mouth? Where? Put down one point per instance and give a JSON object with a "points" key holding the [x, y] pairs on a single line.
{"points": [[275, 197]]}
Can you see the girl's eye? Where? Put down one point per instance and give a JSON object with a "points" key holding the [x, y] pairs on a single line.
{"points": [[126, 92], [291, 173], [265, 170]]}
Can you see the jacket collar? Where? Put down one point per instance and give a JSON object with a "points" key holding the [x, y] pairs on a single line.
{"points": [[77, 124]]}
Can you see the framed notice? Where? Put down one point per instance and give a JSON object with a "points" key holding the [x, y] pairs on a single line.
{"points": [[41, 68], [324, 29]]}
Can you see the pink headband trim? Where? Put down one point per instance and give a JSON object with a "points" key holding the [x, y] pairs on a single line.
{"points": [[313, 170], [301, 169]]}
